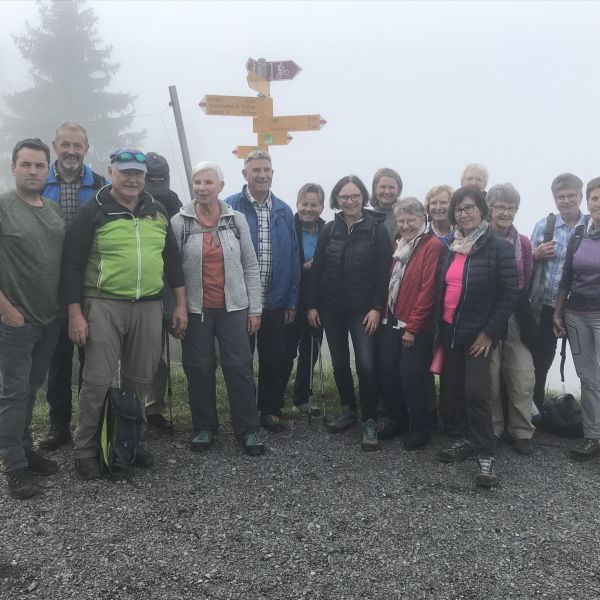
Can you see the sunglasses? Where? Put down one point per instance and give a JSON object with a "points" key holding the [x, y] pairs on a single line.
{"points": [[128, 157]]}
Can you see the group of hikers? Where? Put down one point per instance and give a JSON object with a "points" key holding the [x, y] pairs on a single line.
{"points": [[447, 286]]}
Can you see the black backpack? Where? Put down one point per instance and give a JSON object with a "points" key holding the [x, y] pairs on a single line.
{"points": [[561, 415], [121, 429]]}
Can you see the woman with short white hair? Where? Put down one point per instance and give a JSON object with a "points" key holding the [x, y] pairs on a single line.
{"points": [[512, 359], [224, 303]]}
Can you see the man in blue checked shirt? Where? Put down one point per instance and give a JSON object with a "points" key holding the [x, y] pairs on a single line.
{"points": [[273, 232], [567, 191], [71, 183]]}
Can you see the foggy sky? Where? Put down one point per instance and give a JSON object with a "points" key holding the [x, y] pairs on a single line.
{"points": [[421, 87]]}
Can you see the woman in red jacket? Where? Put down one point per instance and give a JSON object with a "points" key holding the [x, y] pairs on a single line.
{"points": [[405, 339]]}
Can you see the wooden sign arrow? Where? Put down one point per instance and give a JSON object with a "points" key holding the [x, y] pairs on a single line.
{"points": [[237, 106], [291, 123], [274, 138], [258, 84], [243, 151]]}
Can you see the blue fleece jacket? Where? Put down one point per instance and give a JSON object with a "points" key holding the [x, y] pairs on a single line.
{"points": [[87, 191], [285, 284]]}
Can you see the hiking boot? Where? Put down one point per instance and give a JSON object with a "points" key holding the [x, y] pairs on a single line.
{"points": [[523, 446], [486, 477], [345, 419], [143, 459], [55, 438], [253, 445], [459, 451], [587, 448], [272, 423], [305, 409], [88, 468], [38, 465], [387, 428], [416, 441], [202, 440], [160, 423], [369, 439], [21, 483]]}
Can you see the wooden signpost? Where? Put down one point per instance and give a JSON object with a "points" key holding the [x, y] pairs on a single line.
{"points": [[270, 130]]}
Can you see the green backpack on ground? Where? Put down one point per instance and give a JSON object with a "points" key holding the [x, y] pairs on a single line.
{"points": [[121, 429]]}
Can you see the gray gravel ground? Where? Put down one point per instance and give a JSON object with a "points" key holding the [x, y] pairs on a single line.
{"points": [[314, 518]]}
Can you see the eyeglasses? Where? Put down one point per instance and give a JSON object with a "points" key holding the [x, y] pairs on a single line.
{"points": [[468, 209], [567, 197], [128, 157], [511, 210], [350, 198], [403, 222]]}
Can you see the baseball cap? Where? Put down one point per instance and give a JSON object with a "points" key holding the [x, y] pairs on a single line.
{"points": [[157, 177], [128, 158]]}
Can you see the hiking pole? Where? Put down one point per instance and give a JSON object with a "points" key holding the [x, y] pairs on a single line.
{"points": [[320, 351], [311, 379], [169, 380]]}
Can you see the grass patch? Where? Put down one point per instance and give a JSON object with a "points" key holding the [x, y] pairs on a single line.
{"points": [[181, 409]]}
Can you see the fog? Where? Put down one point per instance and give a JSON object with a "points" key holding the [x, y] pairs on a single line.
{"points": [[421, 87]]}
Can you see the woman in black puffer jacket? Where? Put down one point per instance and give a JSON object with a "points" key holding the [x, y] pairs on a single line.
{"points": [[477, 285], [347, 291]]}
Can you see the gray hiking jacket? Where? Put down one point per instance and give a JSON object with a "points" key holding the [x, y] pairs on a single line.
{"points": [[242, 279]]}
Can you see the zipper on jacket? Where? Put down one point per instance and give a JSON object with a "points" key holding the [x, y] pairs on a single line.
{"points": [[99, 281], [462, 301], [139, 257]]}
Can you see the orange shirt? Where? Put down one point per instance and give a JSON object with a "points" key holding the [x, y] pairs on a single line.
{"points": [[213, 267]]}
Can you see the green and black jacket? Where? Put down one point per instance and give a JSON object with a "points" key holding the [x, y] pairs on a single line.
{"points": [[111, 252]]}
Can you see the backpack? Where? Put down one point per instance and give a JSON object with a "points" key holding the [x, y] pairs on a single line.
{"points": [[98, 181], [121, 429], [187, 229], [561, 415], [537, 287]]}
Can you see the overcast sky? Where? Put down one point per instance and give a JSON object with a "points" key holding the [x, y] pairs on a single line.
{"points": [[423, 87]]}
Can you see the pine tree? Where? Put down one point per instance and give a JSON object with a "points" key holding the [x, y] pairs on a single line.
{"points": [[71, 72]]}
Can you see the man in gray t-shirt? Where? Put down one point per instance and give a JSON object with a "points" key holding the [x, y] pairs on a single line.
{"points": [[31, 239]]}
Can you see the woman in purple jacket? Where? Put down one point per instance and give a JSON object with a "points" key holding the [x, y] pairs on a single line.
{"points": [[577, 315]]}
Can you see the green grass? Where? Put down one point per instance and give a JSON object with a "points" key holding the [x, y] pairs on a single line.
{"points": [[181, 410]]}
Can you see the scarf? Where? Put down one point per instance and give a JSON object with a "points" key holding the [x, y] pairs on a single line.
{"points": [[515, 239], [592, 232], [401, 257], [464, 244]]}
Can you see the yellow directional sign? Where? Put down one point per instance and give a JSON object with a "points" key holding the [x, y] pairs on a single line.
{"points": [[275, 138], [258, 84], [291, 123], [237, 106], [243, 151]]}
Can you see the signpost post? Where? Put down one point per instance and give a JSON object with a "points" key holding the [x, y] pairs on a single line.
{"points": [[270, 130]]}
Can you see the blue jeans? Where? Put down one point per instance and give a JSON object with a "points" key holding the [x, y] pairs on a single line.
{"points": [[25, 354], [402, 374], [337, 325]]}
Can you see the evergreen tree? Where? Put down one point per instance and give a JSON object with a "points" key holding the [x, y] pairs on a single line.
{"points": [[71, 72]]}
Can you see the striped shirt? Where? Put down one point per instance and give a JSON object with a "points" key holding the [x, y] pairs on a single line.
{"points": [[554, 266], [265, 252]]}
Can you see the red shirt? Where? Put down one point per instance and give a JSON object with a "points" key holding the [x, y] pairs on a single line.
{"points": [[213, 267]]}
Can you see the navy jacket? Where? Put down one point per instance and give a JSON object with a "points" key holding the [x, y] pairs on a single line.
{"points": [[351, 267], [285, 284], [87, 191], [489, 291]]}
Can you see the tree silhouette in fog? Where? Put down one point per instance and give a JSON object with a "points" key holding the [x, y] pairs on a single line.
{"points": [[71, 72]]}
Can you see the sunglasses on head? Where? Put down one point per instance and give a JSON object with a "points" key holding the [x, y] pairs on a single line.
{"points": [[128, 157]]}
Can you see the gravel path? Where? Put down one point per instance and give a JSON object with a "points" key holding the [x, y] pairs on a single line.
{"points": [[314, 518]]}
